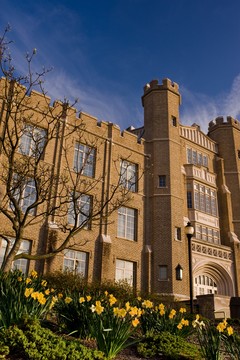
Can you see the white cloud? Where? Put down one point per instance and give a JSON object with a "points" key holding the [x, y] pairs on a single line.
{"points": [[201, 109]]}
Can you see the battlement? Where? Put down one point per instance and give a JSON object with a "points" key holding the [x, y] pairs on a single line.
{"points": [[167, 84], [220, 121]]}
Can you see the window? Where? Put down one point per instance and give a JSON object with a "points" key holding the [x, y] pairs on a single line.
{"points": [[162, 181], [189, 199], [196, 158], [207, 234], [127, 223], [204, 285], [174, 121], [163, 272], [205, 199], [125, 270], [79, 212], [20, 264], [177, 234], [76, 261], [25, 193], [32, 141], [128, 175], [84, 159]]}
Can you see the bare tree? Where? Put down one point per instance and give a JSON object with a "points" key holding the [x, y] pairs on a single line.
{"points": [[39, 187]]}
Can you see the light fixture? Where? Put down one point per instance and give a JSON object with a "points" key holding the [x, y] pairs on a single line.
{"points": [[179, 272]]}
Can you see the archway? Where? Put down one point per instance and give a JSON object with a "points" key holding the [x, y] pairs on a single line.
{"points": [[210, 277]]}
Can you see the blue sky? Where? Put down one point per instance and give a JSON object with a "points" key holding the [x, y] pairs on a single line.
{"points": [[104, 52]]}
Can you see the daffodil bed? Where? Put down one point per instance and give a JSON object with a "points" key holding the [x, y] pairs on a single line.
{"points": [[151, 329]]}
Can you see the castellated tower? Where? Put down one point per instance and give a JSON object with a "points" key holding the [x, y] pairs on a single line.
{"points": [[227, 135], [164, 189]]}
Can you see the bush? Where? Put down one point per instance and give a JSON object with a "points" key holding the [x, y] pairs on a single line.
{"points": [[33, 342], [68, 282], [22, 297], [167, 344]]}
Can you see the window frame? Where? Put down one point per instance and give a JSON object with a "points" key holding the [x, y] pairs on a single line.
{"points": [[162, 181], [125, 214], [163, 273], [81, 203], [84, 161], [29, 145], [126, 168], [76, 261], [130, 280]]}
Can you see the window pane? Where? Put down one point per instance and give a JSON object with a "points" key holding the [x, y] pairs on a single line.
{"points": [[84, 159], [127, 223], [124, 271], [128, 175], [75, 261], [32, 141], [163, 274]]}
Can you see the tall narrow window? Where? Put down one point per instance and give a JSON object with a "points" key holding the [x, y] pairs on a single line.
{"points": [[128, 175], [84, 159], [162, 181], [189, 199], [127, 223], [32, 141], [174, 121], [76, 261], [24, 193], [177, 234], [125, 270], [79, 210], [163, 273]]}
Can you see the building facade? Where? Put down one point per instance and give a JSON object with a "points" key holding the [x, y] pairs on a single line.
{"points": [[183, 175]]}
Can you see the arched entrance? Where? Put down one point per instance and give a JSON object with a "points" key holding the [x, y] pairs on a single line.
{"points": [[212, 278]]}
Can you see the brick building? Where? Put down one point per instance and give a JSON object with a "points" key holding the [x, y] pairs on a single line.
{"points": [[184, 175]]}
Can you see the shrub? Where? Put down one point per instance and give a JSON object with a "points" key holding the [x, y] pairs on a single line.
{"points": [[161, 318], [22, 297], [31, 341], [167, 344], [68, 282]]}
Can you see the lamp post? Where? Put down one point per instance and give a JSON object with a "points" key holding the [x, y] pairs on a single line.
{"points": [[189, 231]]}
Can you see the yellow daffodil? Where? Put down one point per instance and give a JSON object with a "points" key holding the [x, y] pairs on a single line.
{"points": [[112, 300], [147, 304], [127, 305], [34, 274], [229, 330], [172, 314], [88, 298], [81, 300], [135, 322], [19, 279], [99, 308], [28, 292], [28, 281], [47, 292], [44, 283], [182, 310], [60, 295], [180, 326], [68, 300]]}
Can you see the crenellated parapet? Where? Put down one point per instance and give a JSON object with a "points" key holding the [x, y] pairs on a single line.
{"points": [[167, 84], [220, 121]]}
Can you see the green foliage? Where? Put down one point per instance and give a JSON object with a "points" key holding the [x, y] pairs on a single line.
{"points": [[74, 316], [161, 318], [211, 338], [113, 327], [167, 344], [33, 342], [68, 282], [22, 297], [232, 345]]}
